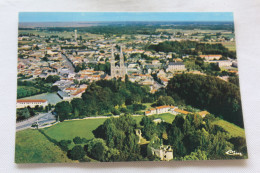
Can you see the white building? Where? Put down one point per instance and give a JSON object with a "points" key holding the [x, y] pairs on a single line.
{"points": [[22, 103], [211, 57], [166, 109], [175, 67], [224, 63]]}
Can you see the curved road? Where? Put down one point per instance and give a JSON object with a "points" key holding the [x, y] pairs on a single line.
{"points": [[41, 118]]}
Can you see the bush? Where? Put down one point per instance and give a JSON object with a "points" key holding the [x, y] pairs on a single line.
{"points": [[77, 153], [63, 144], [77, 140], [116, 112]]}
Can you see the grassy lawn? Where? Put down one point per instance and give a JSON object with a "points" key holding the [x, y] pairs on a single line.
{"points": [[167, 117], [148, 106], [231, 128], [138, 118], [33, 147], [71, 129], [82, 128]]}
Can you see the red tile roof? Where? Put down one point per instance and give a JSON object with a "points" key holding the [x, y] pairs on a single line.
{"points": [[29, 101], [161, 107]]}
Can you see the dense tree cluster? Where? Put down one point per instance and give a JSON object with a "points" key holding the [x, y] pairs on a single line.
{"points": [[81, 66], [164, 100], [119, 134], [207, 92], [36, 86], [190, 136], [52, 79], [101, 67], [122, 28], [106, 97], [63, 109], [234, 80], [193, 137], [192, 48]]}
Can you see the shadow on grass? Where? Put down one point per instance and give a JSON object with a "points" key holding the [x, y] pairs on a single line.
{"points": [[49, 138]]}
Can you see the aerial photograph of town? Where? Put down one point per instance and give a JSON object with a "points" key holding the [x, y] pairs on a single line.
{"points": [[127, 86]]}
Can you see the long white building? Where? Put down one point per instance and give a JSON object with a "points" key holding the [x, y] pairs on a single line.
{"points": [[22, 103]]}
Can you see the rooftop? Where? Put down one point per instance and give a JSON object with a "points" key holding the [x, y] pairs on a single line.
{"points": [[31, 100], [176, 63]]}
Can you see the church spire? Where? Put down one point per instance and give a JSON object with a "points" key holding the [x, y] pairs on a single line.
{"points": [[112, 56]]}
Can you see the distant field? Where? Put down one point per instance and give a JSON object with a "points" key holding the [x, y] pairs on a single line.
{"points": [[33, 147], [48, 33], [64, 34], [230, 45], [52, 98], [231, 128]]}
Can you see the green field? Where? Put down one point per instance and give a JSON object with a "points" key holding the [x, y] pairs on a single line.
{"points": [[70, 129], [232, 129], [167, 117], [148, 105], [65, 34], [138, 119], [33, 147], [52, 98], [82, 128], [230, 45]]}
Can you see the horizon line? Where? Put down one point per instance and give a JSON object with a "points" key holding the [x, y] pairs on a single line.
{"points": [[123, 21], [124, 16]]}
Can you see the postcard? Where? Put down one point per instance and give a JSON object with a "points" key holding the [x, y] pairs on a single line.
{"points": [[127, 86]]}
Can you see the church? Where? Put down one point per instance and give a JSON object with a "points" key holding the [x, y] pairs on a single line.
{"points": [[120, 70]]}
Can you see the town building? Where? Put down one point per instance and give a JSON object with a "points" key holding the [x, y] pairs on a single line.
{"points": [[22, 103], [203, 113], [166, 109], [224, 63], [175, 67], [211, 57]]}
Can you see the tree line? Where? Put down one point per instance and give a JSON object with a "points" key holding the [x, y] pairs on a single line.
{"points": [[191, 137], [192, 48], [36, 86], [207, 92], [106, 97]]}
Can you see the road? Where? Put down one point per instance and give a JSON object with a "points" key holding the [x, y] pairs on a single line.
{"points": [[69, 64], [45, 118], [100, 117], [42, 118]]}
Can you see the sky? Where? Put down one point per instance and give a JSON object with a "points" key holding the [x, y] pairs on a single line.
{"points": [[123, 16]]}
